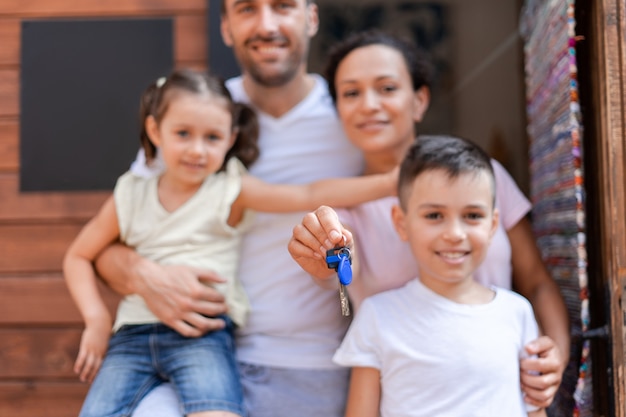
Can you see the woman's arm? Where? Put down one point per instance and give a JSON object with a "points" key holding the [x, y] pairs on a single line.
{"points": [[364, 394], [532, 280]]}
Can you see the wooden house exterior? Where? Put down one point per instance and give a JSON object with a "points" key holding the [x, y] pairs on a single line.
{"points": [[40, 327]]}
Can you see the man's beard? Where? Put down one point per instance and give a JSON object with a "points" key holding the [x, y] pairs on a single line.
{"points": [[281, 76], [276, 79]]}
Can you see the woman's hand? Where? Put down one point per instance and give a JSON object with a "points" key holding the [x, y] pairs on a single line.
{"points": [[541, 374]]}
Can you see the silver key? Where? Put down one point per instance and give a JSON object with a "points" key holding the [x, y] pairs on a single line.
{"points": [[343, 298]]}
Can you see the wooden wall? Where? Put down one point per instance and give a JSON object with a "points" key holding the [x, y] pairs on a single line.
{"points": [[39, 325]]}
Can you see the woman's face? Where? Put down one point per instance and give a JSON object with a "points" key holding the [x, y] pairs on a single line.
{"points": [[375, 99]]}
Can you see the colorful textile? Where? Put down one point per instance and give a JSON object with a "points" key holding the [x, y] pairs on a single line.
{"points": [[557, 178]]}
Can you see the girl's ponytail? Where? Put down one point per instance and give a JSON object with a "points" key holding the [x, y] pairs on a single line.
{"points": [[146, 108], [246, 126]]}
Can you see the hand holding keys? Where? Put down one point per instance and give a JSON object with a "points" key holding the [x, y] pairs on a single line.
{"points": [[340, 259]]}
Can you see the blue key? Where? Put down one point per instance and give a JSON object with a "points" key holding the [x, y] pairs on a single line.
{"points": [[340, 259], [344, 269]]}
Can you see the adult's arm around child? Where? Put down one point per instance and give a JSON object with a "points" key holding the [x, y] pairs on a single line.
{"points": [[532, 280], [174, 293]]}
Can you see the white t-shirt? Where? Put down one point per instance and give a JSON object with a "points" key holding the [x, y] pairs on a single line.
{"points": [[386, 262], [293, 323], [440, 358]]}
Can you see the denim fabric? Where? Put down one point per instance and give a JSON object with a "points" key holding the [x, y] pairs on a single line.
{"points": [[202, 371]]}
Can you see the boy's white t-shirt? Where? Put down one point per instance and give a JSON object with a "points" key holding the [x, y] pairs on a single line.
{"points": [[293, 323], [440, 358]]}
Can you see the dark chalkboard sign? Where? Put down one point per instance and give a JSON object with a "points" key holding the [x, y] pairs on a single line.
{"points": [[221, 60], [81, 81]]}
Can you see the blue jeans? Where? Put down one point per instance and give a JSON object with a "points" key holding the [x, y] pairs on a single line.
{"points": [[270, 392], [202, 371]]}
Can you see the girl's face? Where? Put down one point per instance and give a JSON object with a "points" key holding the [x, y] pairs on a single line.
{"points": [[376, 101], [193, 137]]}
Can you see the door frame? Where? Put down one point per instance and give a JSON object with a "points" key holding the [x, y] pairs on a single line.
{"points": [[608, 185]]}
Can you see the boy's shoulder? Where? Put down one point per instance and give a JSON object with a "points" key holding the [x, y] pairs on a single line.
{"points": [[509, 294], [393, 297], [512, 300]]}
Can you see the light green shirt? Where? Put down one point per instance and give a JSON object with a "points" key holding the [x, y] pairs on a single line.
{"points": [[195, 234]]}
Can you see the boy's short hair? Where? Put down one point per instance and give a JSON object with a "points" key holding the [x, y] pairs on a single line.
{"points": [[451, 154]]}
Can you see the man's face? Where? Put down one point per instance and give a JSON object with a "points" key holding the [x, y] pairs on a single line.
{"points": [[270, 38]]}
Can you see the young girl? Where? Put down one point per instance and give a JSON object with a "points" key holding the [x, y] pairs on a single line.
{"points": [[193, 214]]}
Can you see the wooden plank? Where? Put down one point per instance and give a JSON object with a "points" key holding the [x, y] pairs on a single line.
{"points": [[9, 92], [34, 247], [190, 38], [41, 399], [38, 353], [17, 206], [610, 38], [9, 157], [9, 42], [589, 67], [42, 8], [42, 300]]}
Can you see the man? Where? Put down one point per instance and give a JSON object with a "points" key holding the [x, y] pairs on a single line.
{"points": [[294, 327]]}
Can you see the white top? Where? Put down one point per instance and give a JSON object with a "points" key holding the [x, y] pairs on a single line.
{"points": [[440, 358], [386, 262], [195, 234], [293, 323]]}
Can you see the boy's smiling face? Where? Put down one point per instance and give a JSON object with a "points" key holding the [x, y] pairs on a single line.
{"points": [[449, 223]]}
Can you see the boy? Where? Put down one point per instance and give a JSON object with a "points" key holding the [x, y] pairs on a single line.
{"points": [[442, 344]]}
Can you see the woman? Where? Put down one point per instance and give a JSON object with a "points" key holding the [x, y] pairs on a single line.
{"points": [[380, 85]]}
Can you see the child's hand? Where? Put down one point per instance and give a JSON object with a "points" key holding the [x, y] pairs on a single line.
{"points": [[319, 231], [93, 346]]}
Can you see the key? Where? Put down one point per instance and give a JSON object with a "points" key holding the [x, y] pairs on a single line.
{"points": [[343, 299], [340, 259]]}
